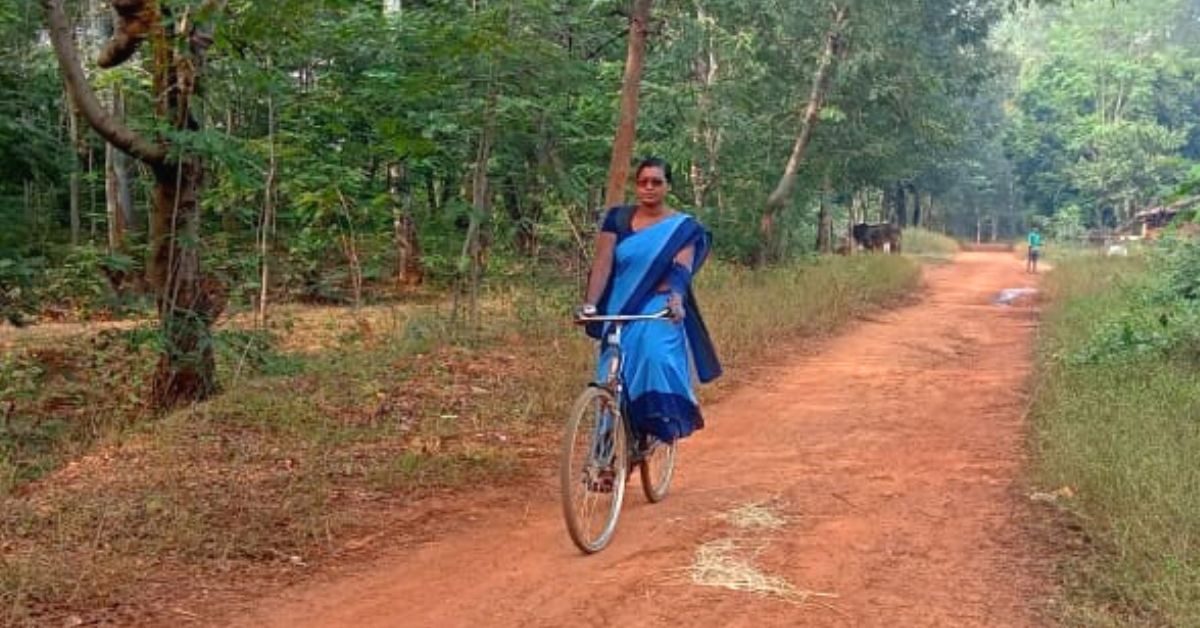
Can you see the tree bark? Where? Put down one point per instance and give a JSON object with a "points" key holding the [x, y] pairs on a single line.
{"points": [[706, 138], [834, 48], [111, 129], [887, 203], [188, 302], [622, 151], [118, 193], [471, 260], [409, 271], [350, 249], [825, 218], [266, 227], [916, 214], [75, 181]]}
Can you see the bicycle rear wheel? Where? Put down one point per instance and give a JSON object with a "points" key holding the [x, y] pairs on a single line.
{"points": [[593, 467], [658, 467]]}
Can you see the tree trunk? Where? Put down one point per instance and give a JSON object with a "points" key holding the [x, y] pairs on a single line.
{"points": [[409, 270], [30, 213], [471, 260], [855, 214], [816, 99], [887, 203], [706, 138], [916, 215], [266, 227], [75, 181], [622, 151], [901, 199], [188, 302], [349, 241], [825, 218], [118, 190]]}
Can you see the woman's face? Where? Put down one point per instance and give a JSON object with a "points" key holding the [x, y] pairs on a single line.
{"points": [[652, 186]]}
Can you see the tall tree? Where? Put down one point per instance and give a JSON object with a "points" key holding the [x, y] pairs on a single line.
{"points": [[188, 302], [631, 84], [835, 47]]}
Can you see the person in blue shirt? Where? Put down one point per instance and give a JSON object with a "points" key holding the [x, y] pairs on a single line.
{"points": [[1035, 250]]}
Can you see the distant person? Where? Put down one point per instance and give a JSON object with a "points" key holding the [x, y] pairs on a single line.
{"points": [[1035, 250]]}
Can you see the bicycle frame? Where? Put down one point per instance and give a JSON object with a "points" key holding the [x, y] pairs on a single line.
{"points": [[613, 380], [609, 439]]}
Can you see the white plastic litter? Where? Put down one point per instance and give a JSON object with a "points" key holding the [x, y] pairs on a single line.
{"points": [[1008, 295]]}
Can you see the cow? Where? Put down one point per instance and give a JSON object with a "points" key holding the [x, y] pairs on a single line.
{"points": [[880, 237]]}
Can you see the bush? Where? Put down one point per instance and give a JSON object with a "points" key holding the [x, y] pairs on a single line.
{"points": [[16, 299], [1161, 314]]}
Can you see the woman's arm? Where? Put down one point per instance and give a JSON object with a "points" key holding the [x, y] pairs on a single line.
{"points": [[602, 265], [679, 279], [686, 256]]}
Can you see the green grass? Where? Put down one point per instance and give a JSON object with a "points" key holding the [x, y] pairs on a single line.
{"points": [[1126, 433], [305, 450]]}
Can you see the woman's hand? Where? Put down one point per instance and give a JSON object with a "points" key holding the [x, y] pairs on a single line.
{"points": [[675, 304], [584, 311]]}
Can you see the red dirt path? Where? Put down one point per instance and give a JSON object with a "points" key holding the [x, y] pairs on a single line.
{"points": [[895, 455]]}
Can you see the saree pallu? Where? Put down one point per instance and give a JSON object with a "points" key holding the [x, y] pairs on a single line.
{"points": [[661, 358]]}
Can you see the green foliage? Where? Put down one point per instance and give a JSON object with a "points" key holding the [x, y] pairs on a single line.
{"points": [[1067, 225], [78, 284], [16, 295], [1121, 430], [1160, 316], [1105, 116]]}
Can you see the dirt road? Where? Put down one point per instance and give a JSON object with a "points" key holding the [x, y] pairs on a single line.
{"points": [[891, 460]]}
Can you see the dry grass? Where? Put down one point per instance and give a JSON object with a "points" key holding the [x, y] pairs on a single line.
{"points": [[309, 448], [729, 563], [754, 516], [926, 243], [724, 564]]}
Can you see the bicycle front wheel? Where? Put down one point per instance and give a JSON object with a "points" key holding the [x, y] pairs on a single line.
{"points": [[593, 468]]}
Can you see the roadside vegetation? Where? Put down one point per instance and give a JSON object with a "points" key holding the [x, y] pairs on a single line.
{"points": [[1117, 418], [930, 244]]}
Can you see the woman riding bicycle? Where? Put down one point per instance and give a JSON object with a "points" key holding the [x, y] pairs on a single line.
{"points": [[646, 255]]}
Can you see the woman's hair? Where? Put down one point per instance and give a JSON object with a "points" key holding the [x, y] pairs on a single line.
{"points": [[654, 162]]}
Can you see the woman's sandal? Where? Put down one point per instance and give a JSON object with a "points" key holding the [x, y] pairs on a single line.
{"points": [[603, 482]]}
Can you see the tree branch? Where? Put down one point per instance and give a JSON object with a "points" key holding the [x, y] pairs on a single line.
{"points": [[835, 47], [110, 128]]}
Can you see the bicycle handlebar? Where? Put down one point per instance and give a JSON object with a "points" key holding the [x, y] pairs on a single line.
{"points": [[662, 314]]}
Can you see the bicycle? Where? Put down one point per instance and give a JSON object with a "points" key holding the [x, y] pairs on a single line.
{"points": [[600, 448]]}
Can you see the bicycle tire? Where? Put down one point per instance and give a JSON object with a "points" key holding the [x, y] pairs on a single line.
{"points": [[588, 447], [658, 468]]}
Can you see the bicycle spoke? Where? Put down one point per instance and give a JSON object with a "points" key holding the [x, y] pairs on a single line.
{"points": [[591, 482]]}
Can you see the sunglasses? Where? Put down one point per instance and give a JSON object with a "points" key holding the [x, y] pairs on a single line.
{"points": [[652, 183]]}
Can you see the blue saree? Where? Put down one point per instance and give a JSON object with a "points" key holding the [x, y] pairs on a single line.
{"points": [[660, 357]]}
